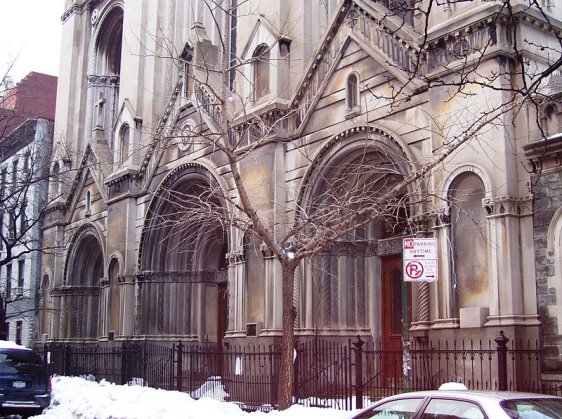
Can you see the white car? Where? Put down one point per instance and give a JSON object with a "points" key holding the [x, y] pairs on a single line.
{"points": [[452, 401]]}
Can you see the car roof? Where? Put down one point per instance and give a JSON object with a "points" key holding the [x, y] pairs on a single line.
{"points": [[475, 395], [6, 344]]}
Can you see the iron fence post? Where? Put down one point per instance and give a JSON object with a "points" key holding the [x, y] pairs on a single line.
{"points": [[67, 360], [179, 366], [501, 340], [359, 387]]}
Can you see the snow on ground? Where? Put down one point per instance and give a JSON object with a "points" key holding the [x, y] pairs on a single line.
{"points": [[75, 397]]}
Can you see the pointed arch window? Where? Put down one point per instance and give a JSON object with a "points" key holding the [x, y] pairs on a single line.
{"points": [[352, 91], [352, 95], [55, 180], [123, 144], [103, 83], [88, 203], [550, 120], [261, 71]]}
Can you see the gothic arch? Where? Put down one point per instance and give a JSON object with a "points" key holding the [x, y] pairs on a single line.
{"points": [[188, 178], [337, 286], [107, 41], [353, 140], [84, 270], [182, 259]]}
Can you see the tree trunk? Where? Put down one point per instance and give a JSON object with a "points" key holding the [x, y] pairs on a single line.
{"points": [[286, 370]]}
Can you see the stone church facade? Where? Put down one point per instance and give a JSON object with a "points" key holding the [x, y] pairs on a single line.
{"points": [[135, 78]]}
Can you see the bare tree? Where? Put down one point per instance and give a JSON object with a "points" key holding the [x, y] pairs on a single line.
{"points": [[379, 184]]}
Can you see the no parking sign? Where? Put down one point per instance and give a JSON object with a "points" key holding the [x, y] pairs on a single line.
{"points": [[420, 259]]}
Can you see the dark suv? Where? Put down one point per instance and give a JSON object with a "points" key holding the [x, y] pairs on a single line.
{"points": [[25, 387]]}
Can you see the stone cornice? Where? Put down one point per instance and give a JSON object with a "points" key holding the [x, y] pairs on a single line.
{"points": [[545, 154], [76, 8]]}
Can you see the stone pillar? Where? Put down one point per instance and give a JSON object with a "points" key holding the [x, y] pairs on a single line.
{"points": [[513, 300], [104, 309], [273, 291], [443, 297], [127, 305], [237, 292]]}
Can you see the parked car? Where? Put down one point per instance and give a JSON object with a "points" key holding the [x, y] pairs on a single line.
{"points": [[456, 402], [25, 387]]}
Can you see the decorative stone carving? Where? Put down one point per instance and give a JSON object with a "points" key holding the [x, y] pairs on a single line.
{"points": [[508, 205], [388, 247]]}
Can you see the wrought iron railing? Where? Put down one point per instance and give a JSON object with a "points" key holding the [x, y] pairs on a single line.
{"points": [[328, 373]]}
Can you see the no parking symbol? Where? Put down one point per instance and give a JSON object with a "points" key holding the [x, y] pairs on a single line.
{"points": [[420, 260]]}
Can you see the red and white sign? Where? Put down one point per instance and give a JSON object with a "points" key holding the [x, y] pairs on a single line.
{"points": [[419, 259]]}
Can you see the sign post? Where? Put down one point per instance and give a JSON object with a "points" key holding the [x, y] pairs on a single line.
{"points": [[420, 260], [419, 264]]}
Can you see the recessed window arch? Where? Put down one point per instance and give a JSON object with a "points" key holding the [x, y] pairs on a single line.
{"points": [[104, 79], [469, 241], [123, 143], [352, 91], [109, 44], [550, 119], [261, 58], [114, 300], [55, 180], [88, 203]]}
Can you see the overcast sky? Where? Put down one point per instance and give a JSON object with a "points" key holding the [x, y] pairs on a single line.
{"points": [[30, 36]]}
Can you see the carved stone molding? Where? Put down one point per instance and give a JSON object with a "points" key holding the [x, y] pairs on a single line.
{"points": [[507, 205], [442, 216], [545, 154], [120, 186], [210, 277], [75, 290], [234, 257], [388, 247]]}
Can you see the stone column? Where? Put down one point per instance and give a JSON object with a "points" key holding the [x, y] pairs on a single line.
{"points": [[104, 310], [127, 304], [237, 291], [444, 298]]}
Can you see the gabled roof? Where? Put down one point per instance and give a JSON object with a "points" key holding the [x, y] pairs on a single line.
{"points": [[386, 38], [86, 168]]}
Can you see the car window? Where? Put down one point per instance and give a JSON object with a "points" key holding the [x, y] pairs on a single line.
{"points": [[533, 408], [452, 409], [23, 362], [395, 409]]}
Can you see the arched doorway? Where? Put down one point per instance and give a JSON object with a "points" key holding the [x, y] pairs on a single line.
{"points": [[356, 177], [81, 298], [183, 285]]}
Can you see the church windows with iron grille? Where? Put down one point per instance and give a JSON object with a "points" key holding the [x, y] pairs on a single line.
{"points": [[103, 84]]}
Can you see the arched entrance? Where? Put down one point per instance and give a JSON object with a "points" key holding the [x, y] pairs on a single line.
{"points": [[355, 285], [183, 284], [80, 316]]}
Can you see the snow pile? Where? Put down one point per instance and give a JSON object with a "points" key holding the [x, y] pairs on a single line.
{"points": [[75, 397]]}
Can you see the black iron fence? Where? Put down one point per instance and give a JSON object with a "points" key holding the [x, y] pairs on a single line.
{"points": [[342, 375]]}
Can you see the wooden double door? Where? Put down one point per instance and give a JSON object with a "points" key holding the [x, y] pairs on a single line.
{"points": [[395, 304]]}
